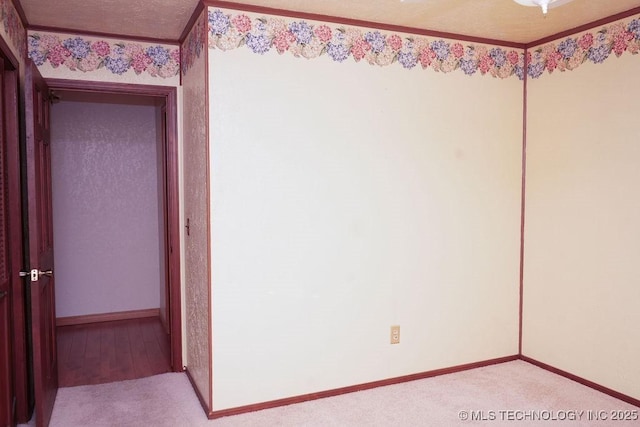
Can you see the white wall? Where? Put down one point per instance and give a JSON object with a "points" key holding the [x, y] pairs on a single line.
{"points": [[348, 198], [105, 207], [581, 293]]}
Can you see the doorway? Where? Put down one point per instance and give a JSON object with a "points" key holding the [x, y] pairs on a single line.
{"points": [[117, 238], [26, 381]]}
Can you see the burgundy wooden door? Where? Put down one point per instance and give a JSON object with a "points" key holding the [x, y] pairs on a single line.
{"points": [[6, 377], [42, 290]]}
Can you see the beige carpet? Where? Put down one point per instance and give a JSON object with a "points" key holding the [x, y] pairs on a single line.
{"points": [[508, 394]]}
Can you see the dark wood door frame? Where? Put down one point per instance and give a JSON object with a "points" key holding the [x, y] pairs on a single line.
{"points": [[6, 377], [171, 184]]}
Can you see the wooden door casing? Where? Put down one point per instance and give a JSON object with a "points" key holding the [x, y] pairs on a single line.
{"points": [[42, 290], [6, 351]]}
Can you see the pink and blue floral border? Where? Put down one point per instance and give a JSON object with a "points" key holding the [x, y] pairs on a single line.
{"points": [[13, 27], [310, 40], [594, 47], [193, 45], [79, 54]]}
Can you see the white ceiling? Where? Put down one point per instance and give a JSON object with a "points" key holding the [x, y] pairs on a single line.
{"points": [[493, 19]]}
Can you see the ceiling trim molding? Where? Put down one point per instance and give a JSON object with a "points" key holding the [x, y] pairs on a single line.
{"points": [[585, 27], [44, 29], [359, 23]]}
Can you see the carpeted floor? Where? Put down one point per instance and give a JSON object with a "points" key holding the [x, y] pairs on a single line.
{"points": [[507, 394]]}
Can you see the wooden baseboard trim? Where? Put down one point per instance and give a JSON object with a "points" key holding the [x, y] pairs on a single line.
{"points": [[630, 400], [359, 387], [107, 317], [203, 403]]}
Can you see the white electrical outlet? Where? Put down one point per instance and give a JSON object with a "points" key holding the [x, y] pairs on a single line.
{"points": [[395, 334]]}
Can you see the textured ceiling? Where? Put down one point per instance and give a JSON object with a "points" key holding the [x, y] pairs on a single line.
{"points": [[161, 19], [493, 19]]}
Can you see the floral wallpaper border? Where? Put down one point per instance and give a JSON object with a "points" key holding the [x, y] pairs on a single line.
{"points": [[13, 28], [310, 40], [80, 54], [595, 46], [193, 45]]}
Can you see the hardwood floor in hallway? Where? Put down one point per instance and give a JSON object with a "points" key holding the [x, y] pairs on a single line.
{"points": [[104, 352]]}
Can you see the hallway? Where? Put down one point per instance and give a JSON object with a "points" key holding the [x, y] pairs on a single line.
{"points": [[105, 352]]}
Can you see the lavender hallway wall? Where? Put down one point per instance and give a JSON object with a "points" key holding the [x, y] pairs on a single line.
{"points": [[106, 208]]}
